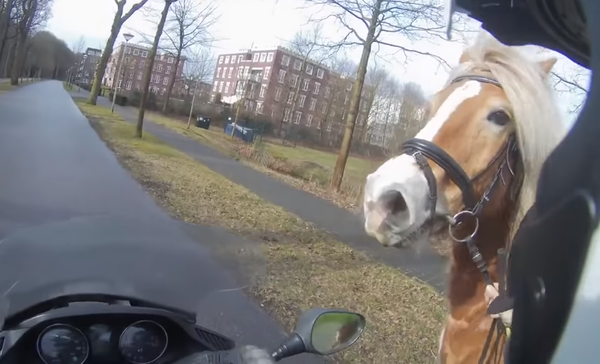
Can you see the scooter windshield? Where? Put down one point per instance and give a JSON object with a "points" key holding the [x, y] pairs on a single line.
{"points": [[148, 261]]}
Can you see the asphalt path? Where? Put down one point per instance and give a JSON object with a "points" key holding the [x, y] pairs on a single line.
{"points": [[60, 184]]}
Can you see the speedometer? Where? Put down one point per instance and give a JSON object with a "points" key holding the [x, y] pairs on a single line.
{"points": [[143, 342], [62, 344]]}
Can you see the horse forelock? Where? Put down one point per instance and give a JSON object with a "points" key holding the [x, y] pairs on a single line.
{"points": [[538, 124]]}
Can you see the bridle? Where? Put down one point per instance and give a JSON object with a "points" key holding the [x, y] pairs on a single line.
{"points": [[423, 151]]}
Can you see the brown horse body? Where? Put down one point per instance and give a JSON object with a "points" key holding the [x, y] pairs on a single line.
{"points": [[468, 326], [494, 94]]}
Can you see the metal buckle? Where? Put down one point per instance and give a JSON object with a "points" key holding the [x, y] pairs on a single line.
{"points": [[462, 217]]}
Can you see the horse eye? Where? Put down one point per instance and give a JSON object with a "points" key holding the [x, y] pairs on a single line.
{"points": [[499, 118]]}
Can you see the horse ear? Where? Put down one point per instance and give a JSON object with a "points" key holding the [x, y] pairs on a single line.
{"points": [[547, 65]]}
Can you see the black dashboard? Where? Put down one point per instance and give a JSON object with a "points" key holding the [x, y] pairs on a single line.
{"points": [[106, 334]]}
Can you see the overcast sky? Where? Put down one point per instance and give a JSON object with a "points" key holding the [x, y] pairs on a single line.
{"points": [[267, 24]]}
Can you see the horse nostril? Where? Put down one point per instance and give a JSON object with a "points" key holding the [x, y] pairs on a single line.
{"points": [[393, 202]]}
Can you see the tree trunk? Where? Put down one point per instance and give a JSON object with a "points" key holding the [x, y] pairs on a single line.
{"points": [[172, 83], [108, 49], [5, 24], [340, 164], [18, 59], [148, 71]]}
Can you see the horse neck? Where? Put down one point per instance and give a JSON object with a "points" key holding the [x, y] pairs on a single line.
{"points": [[466, 281]]}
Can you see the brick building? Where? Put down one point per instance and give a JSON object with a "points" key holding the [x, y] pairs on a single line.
{"points": [[87, 66], [134, 64], [270, 79]]}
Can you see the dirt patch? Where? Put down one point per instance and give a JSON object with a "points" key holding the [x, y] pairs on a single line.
{"points": [[303, 266]]}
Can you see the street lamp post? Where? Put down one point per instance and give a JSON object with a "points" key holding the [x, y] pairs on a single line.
{"points": [[127, 37]]}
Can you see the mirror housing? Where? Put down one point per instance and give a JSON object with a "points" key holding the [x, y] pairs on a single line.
{"points": [[322, 331]]}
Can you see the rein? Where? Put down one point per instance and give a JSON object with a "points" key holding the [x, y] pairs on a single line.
{"points": [[424, 151]]}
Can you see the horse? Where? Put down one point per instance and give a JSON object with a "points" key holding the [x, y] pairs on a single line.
{"points": [[469, 176]]}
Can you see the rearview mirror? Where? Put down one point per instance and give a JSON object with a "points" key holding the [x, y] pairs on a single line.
{"points": [[322, 331]]}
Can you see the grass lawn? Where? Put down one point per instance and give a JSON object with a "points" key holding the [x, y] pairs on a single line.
{"points": [[307, 168], [6, 86], [305, 267]]}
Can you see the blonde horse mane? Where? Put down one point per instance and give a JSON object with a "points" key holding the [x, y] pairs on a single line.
{"points": [[538, 124]]}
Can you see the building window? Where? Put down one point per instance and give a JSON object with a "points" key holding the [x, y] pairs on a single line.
{"points": [[270, 57], [267, 73], [297, 118], [215, 86], [305, 84], [226, 59], [127, 50], [159, 68], [166, 81], [142, 63], [218, 72], [168, 70], [327, 92], [240, 58], [221, 86], [285, 60], [162, 92], [220, 59], [139, 77], [230, 72], [144, 54], [240, 72], [286, 114], [263, 89], [259, 107], [309, 69], [294, 80], [309, 119], [290, 97], [317, 88], [281, 76], [297, 65], [255, 57], [263, 57], [226, 87], [278, 94], [301, 100], [320, 73], [136, 52], [324, 108], [128, 85], [313, 104]]}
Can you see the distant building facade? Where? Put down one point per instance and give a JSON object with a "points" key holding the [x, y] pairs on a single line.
{"points": [[134, 64], [87, 66], [267, 81]]}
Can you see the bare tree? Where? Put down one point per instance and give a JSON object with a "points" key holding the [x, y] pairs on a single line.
{"points": [[30, 15], [306, 45], [342, 69], [199, 68], [368, 23], [7, 7], [150, 66], [376, 80], [574, 83], [188, 25], [118, 20], [409, 118]]}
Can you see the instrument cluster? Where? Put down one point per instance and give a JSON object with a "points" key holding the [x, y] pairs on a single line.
{"points": [[142, 341]]}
